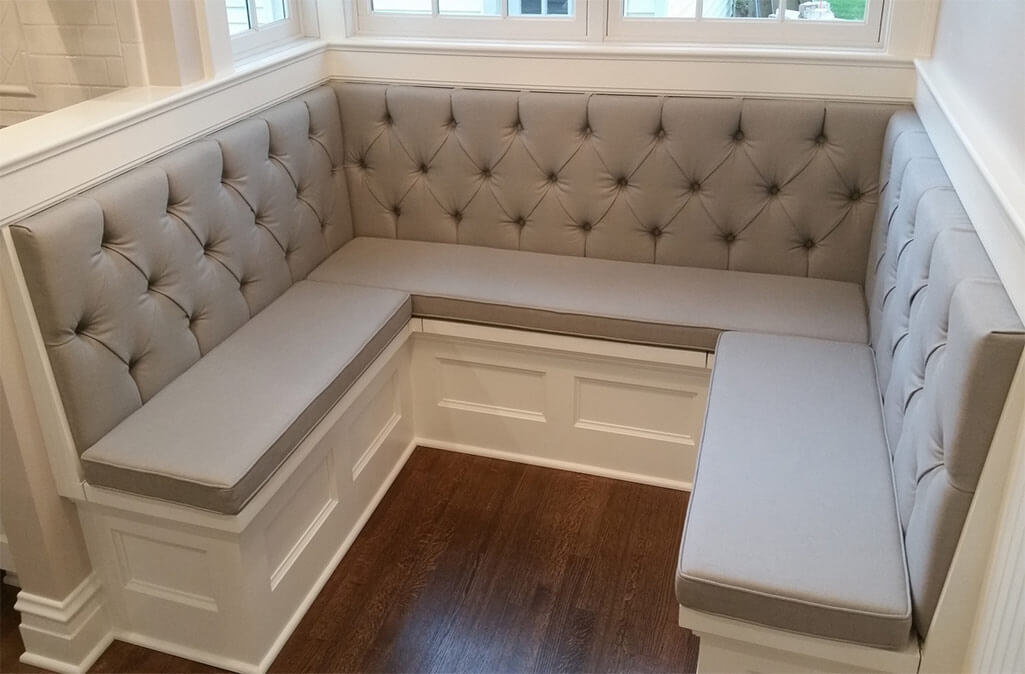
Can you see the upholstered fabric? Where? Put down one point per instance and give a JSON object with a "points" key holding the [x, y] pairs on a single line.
{"points": [[132, 282], [784, 187], [642, 303], [792, 521], [214, 435], [946, 341]]}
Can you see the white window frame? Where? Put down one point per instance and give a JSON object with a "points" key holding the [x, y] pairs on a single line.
{"points": [[602, 22], [747, 32], [260, 38], [470, 27]]}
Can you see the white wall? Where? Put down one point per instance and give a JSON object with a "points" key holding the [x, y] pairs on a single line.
{"points": [[980, 51]]}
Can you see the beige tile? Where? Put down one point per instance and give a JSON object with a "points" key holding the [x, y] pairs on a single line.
{"points": [[105, 12], [99, 41], [56, 96], [116, 72], [68, 69], [135, 65], [41, 39], [58, 12], [127, 21]]}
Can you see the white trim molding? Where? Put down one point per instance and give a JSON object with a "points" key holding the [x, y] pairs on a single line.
{"points": [[643, 69], [983, 173], [65, 635]]}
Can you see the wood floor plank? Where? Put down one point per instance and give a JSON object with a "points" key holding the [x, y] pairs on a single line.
{"points": [[472, 564]]}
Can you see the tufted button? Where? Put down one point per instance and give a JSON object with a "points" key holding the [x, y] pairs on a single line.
{"points": [[518, 126], [855, 195], [362, 161], [729, 237], [623, 181], [452, 123], [655, 232], [821, 140], [738, 136], [809, 244], [586, 131], [388, 119], [423, 168], [521, 221], [396, 210], [773, 189], [132, 362], [695, 186], [485, 173], [586, 226], [553, 177], [660, 134], [457, 215]]}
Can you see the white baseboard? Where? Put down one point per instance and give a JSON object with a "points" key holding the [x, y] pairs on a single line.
{"points": [[65, 635], [558, 464]]}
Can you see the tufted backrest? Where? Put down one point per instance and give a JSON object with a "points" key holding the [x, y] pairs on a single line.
{"points": [[946, 339], [136, 279], [785, 187]]}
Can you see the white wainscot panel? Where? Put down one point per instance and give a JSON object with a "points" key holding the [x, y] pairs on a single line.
{"points": [[374, 424], [164, 570], [291, 529], [620, 410], [490, 388], [635, 410]]}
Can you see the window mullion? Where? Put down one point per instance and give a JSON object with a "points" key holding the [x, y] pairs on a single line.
{"points": [[435, 10], [699, 9], [251, 9]]}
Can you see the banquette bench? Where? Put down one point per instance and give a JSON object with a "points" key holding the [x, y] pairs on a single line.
{"points": [[229, 337]]}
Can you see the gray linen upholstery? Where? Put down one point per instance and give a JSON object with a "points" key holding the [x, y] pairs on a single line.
{"points": [[792, 521], [213, 436], [641, 303], [783, 187], [133, 281], [946, 340]]}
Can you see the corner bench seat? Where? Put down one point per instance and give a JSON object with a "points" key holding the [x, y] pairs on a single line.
{"points": [[793, 445], [663, 305], [218, 431]]}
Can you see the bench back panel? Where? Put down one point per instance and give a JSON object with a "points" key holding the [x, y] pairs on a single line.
{"points": [[947, 340], [783, 187], [133, 281]]}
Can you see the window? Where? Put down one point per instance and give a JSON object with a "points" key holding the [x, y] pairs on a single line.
{"points": [[474, 19], [823, 23], [257, 24]]}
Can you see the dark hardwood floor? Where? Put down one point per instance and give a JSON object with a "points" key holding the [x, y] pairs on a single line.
{"points": [[478, 565]]}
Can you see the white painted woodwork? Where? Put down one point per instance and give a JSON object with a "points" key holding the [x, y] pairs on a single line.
{"points": [[228, 591], [620, 410]]}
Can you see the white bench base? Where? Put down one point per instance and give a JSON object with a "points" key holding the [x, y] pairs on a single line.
{"points": [[228, 591], [729, 646]]}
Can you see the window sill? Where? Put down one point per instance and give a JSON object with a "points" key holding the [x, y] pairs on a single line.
{"points": [[632, 51]]}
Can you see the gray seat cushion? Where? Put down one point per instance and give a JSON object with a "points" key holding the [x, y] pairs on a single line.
{"points": [[216, 433], [793, 522], [633, 302]]}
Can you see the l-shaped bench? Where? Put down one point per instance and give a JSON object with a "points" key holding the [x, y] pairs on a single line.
{"points": [[239, 343]]}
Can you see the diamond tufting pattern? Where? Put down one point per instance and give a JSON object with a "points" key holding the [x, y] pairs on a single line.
{"points": [[783, 187], [135, 280], [946, 339]]}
